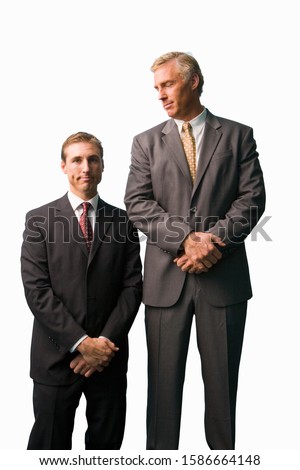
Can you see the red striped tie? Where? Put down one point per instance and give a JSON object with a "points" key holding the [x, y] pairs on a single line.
{"points": [[85, 225]]}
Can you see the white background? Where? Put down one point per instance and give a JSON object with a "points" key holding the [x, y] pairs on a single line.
{"points": [[72, 65]]}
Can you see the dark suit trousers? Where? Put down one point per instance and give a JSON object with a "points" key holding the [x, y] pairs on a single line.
{"points": [[55, 407], [219, 337]]}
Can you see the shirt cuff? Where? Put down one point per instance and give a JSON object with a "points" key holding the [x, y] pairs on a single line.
{"points": [[77, 343]]}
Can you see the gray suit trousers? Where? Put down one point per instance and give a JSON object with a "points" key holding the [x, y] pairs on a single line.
{"points": [[220, 332]]}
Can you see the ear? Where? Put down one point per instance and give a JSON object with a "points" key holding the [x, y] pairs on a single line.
{"points": [[195, 81], [63, 167]]}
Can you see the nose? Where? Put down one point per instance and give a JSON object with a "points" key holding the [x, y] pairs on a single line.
{"points": [[85, 166], [161, 94]]}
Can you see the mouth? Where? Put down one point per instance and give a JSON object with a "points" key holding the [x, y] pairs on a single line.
{"points": [[167, 106]]}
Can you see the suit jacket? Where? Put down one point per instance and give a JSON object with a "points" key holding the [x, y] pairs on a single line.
{"points": [[72, 292], [227, 199]]}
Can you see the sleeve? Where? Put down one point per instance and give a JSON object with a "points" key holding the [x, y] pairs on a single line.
{"points": [[128, 303], [249, 203], [165, 230], [46, 307]]}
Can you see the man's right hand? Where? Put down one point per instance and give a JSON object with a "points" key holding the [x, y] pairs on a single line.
{"points": [[200, 252], [97, 351]]}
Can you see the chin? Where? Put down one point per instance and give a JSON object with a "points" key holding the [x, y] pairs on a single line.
{"points": [[172, 114]]}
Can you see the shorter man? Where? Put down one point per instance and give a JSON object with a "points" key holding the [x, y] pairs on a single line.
{"points": [[81, 271]]}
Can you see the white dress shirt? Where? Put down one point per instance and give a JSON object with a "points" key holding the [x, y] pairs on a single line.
{"points": [[198, 124], [76, 202]]}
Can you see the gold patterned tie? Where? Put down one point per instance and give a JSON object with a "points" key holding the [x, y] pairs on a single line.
{"points": [[189, 145]]}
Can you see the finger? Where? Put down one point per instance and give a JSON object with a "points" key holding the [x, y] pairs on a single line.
{"points": [[180, 263], [111, 345], [200, 268], [212, 257], [217, 240], [77, 364], [215, 253], [74, 362], [89, 372], [187, 266], [201, 271], [215, 257], [104, 363], [195, 268], [207, 263], [78, 368], [107, 357], [182, 260]]}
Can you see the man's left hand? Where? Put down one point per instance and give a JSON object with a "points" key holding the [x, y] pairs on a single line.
{"points": [[80, 366]]}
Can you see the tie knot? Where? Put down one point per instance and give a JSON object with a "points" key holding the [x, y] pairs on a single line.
{"points": [[186, 126], [86, 206]]}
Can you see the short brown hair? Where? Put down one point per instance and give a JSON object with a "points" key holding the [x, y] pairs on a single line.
{"points": [[187, 66], [81, 137]]}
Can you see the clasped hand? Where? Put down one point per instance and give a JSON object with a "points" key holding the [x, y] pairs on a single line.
{"points": [[200, 252], [94, 354]]}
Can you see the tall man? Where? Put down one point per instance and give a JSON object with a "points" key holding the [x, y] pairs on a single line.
{"points": [[195, 188], [81, 271]]}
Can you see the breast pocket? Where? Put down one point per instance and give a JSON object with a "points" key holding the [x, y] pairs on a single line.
{"points": [[219, 157], [222, 171]]}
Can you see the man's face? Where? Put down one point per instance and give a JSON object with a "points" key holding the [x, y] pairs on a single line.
{"points": [[84, 167], [179, 98]]}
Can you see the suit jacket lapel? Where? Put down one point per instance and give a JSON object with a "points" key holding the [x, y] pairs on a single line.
{"points": [[103, 221], [211, 138], [173, 143], [73, 234], [72, 231]]}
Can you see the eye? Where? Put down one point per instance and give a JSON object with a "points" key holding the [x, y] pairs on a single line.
{"points": [[94, 159]]}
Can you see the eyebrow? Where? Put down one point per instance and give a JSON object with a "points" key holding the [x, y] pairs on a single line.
{"points": [[90, 156]]}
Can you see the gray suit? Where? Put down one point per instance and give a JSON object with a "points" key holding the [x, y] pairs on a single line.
{"points": [[227, 200]]}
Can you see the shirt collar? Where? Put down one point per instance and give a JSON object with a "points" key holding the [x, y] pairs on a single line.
{"points": [[196, 122], [75, 201]]}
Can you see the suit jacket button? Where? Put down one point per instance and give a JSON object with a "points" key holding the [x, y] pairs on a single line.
{"points": [[193, 209]]}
